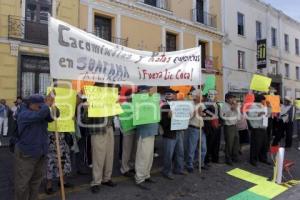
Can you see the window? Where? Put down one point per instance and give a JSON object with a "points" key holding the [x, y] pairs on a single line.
{"points": [[241, 59], [151, 2], [157, 3], [35, 75], [286, 43], [287, 70], [37, 11], [258, 30], [103, 27], [203, 45], [274, 37], [297, 73], [297, 46], [274, 67], [171, 41], [200, 11], [241, 22]]}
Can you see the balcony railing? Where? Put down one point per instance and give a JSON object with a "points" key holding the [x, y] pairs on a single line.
{"points": [[198, 15], [27, 31], [162, 4], [120, 41]]}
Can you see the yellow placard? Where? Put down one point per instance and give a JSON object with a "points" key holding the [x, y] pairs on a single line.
{"points": [[65, 100], [275, 103], [297, 104], [103, 101], [260, 83]]}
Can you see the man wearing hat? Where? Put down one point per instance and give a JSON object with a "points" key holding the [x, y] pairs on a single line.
{"points": [[145, 148], [173, 140], [32, 146], [285, 123]]}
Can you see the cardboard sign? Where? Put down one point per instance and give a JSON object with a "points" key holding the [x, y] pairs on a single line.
{"points": [[275, 102], [297, 103], [248, 101], [260, 83], [126, 118], [65, 100], [210, 84], [181, 113], [182, 91], [146, 109], [102, 101]]}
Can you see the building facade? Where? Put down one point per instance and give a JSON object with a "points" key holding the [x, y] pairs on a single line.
{"points": [[244, 23], [151, 25]]}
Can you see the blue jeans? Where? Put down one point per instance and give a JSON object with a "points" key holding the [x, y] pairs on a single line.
{"points": [[191, 142], [173, 147], [203, 150]]}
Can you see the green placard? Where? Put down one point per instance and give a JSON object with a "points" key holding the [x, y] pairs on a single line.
{"points": [[126, 118], [146, 109], [247, 195], [210, 84]]}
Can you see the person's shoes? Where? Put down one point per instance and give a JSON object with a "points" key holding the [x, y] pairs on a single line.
{"points": [[181, 173], [143, 186], [49, 191], [128, 174], [169, 177], [109, 183], [150, 180], [228, 162], [95, 189], [132, 171], [190, 170], [253, 163], [205, 167], [66, 185]]}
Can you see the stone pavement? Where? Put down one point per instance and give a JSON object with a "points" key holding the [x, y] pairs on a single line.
{"points": [[213, 184]]}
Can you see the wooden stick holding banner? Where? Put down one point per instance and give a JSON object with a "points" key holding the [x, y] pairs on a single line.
{"points": [[200, 136], [57, 143]]}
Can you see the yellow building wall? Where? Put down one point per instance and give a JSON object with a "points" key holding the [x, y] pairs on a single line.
{"points": [[68, 11], [8, 74], [8, 7], [141, 34], [215, 9], [83, 17], [217, 52], [189, 40], [182, 8]]}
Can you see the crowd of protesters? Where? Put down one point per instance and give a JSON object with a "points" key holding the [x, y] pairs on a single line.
{"points": [[92, 146]]}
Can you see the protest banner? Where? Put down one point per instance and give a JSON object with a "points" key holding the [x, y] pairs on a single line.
{"points": [[77, 55], [260, 83], [65, 100], [209, 84], [275, 102], [146, 109], [126, 118], [103, 101], [181, 114]]}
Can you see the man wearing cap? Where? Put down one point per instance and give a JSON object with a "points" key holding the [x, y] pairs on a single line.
{"points": [[193, 133], [286, 123], [173, 140], [145, 148], [32, 146], [230, 115], [258, 120]]}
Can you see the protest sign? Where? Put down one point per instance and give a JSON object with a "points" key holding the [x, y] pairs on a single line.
{"points": [[297, 104], [65, 100], [181, 113], [79, 85], [126, 118], [275, 102], [182, 91], [248, 101], [209, 84], [77, 55], [102, 101], [146, 109], [260, 83]]}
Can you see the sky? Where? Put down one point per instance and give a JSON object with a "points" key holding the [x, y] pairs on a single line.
{"points": [[289, 7]]}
